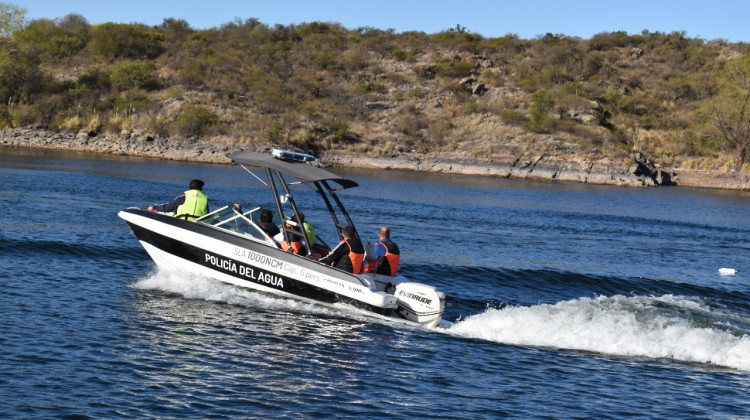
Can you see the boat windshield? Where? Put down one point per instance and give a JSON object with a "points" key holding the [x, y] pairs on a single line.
{"points": [[246, 223]]}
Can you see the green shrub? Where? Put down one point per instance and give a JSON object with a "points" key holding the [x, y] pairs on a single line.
{"points": [[276, 133], [132, 101], [301, 137], [195, 120], [512, 116], [395, 78], [544, 126], [158, 127], [439, 129], [74, 123], [95, 124], [6, 120], [24, 115], [340, 131], [492, 78], [400, 55], [424, 147], [134, 75], [473, 107], [415, 93], [410, 123], [462, 68], [367, 86]]}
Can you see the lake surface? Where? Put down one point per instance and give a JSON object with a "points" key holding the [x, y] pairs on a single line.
{"points": [[567, 301]]}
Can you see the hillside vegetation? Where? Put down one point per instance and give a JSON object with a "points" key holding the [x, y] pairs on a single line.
{"points": [[321, 87]]}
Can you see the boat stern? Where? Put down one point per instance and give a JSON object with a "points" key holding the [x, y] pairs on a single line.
{"points": [[420, 303]]}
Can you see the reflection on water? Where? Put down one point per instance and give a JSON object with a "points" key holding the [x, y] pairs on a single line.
{"points": [[255, 329]]}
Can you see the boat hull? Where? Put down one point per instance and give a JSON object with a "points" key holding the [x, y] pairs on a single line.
{"points": [[231, 258]]}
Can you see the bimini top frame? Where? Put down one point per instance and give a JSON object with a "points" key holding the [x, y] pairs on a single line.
{"points": [[314, 177], [301, 171]]}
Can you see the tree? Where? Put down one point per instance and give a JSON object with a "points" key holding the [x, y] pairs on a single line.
{"points": [[12, 19], [116, 40], [20, 77], [729, 112], [541, 105], [49, 39]]}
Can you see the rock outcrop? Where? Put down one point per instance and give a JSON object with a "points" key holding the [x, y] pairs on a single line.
{"points": [[532, 168], [646, 168], [537, 167], [131, 145]]}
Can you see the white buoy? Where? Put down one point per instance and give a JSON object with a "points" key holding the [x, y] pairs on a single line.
{"points": [[727, 271]]}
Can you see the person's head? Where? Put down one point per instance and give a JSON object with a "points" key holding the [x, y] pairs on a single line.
{"points": [[266, 216], [301, 217], [348, 232], [384, 233], [196, 184]]}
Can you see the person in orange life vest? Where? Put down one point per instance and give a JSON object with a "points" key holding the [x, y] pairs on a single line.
{"points": [[197, 203], [349, 254], [386, 255], [298, 245]]}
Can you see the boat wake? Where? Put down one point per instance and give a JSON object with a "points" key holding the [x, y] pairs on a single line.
{"points": [[670, 327], [193, 286]]}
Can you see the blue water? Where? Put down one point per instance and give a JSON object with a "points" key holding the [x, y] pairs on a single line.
{"points": [[567, 301]]}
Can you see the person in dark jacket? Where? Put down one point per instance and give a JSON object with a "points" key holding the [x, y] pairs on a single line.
{"points": [[349, 254], [266, 223], [189, 206]]}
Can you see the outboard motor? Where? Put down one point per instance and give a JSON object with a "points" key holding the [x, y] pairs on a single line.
{"points": [[420, 303]]}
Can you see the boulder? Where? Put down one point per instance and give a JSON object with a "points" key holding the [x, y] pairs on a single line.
{"points": [[645, 168], [467, 79]]}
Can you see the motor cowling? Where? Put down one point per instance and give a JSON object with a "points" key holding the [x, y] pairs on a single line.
{"points": [[420, 303]]}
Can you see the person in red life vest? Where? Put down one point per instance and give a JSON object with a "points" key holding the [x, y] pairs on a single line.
{"points": [[386, 255], [349, 254], [189, 206]]}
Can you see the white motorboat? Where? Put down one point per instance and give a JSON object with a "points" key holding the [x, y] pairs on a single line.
{"points": [[229, 245]]}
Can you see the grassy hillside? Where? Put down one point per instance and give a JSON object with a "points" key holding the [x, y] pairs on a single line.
{"points": [[320, 87]]}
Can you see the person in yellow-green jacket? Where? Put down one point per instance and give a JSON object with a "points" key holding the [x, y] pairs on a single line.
{"points": [[191, 205]]}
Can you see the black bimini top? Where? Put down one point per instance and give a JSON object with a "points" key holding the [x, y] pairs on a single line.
{"points": [[301, 171]]}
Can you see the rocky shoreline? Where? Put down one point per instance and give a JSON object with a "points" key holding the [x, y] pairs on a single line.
{"points": [[540, 167]]}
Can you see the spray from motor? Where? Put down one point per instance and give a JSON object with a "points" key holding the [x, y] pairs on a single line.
{"points": [[677, 328]]}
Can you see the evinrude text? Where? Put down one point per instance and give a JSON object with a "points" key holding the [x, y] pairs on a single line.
{"points": [[415, 297]]}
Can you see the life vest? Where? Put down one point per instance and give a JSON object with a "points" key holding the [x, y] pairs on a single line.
{"points": [[296, 246], [310, 232], [195, 206], [356, 257], [388, 263]]}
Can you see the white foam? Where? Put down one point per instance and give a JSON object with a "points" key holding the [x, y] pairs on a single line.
{"points": [[657, 327], [193, 286]]}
